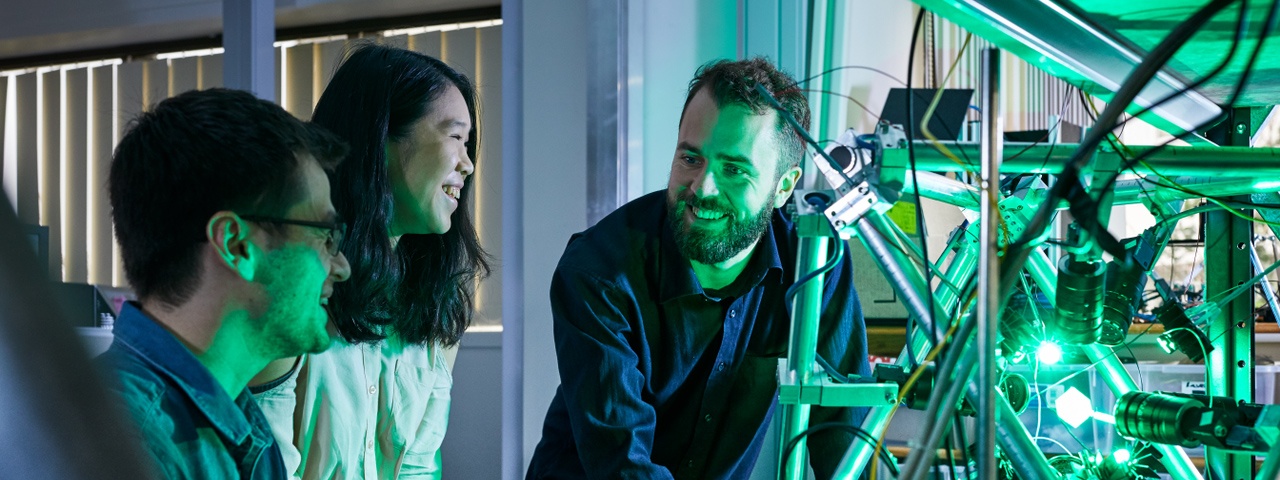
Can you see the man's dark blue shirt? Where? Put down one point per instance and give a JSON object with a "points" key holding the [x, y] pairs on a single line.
{"points": [[189, 424], [661, 378]]}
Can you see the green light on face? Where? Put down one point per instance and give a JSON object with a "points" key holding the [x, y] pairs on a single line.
{"points": [[1122, 456], [1074, 408], [1049, 353]]}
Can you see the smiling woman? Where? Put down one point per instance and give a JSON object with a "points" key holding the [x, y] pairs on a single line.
{"points": [[377, 402]]}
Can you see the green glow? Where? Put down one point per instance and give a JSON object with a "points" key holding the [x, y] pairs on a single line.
{"points": [[1166, 343], [1074, 407], [1049, 353], [1122, 455], [1267, 185]]}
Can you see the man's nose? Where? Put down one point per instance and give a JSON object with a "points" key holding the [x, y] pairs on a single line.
{"points": [[341, 268], [705, 185]]}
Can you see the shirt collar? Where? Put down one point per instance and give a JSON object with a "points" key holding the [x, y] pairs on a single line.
{"points": [[676, 273], [160, 349]]}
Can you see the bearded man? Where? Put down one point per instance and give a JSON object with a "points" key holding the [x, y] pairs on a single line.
{"points": [[670, 314]]}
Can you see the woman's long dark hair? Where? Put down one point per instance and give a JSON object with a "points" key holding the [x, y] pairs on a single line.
{"points": [[421, 289]]}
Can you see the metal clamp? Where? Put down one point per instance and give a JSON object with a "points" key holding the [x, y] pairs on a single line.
{"points": [[827, 393]]}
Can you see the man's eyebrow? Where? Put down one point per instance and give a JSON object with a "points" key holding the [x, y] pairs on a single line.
{"points": [[737, 159], [688, 147]]}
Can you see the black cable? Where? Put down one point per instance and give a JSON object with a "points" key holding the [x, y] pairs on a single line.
{"points": [[831, 263], [831, 369], [1231, 52], [847, 67], [920, 224], [857, 432], [1068, 185]]}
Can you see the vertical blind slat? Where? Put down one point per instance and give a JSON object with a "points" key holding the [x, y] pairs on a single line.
{"points": [[101, 140], [488, 177], [75, 184], [298, 82], [28, 190], [50, 166], [130, 98]]}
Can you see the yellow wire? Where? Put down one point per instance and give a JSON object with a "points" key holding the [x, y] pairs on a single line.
{"points": [[1176, 185], [906, 387], [946, 152], [1212, 200], [933, 105]]}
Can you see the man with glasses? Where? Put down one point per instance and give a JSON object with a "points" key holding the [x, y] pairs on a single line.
{"points": [[222, 212]]}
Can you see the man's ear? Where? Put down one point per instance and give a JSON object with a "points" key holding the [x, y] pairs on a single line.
{"points": [[786, 184], [228, 234]]}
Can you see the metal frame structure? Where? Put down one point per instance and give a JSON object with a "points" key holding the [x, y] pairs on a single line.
{"points": [[893, 253], [1063, 43], [886, 243]]}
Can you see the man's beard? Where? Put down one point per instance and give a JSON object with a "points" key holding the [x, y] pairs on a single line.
{"points": [[715, 246]]}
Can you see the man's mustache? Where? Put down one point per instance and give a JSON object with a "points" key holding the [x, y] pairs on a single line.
{"points": [[712, 204]]}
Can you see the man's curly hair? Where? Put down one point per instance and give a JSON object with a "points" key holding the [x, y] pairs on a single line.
{"points": [[734, 82]]}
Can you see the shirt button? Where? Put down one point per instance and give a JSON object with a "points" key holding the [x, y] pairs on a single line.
{"points": [[707, 418], [690, 463], [720, 367], [733, 313], [373, 389], [369, 445]]}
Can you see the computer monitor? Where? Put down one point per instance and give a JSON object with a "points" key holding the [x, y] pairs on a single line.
{"points": [[948, 118]]}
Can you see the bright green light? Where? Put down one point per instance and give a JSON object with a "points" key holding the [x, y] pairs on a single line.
{"points": [[1166, 343], [1074, 408], [1122, 455], [1267, 185], [1049, 353]]}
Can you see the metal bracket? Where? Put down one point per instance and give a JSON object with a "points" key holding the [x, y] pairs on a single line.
{"points": [[827, 393]]}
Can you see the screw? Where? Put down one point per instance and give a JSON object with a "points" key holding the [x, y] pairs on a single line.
{"points": [[1219, 430], [888, 397], [838, 223], [1240, 127], [1240, 246]]}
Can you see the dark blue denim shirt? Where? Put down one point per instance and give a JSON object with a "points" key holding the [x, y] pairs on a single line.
{"points": [[661, 378], [187, 422]]}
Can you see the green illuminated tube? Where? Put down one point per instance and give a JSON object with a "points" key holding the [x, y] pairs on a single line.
{"points": [[805, 312], [1113, 372], [943, 189], [1221, 162], [903, 275], [1271, 466], [1127, 192], [1011, 435]]}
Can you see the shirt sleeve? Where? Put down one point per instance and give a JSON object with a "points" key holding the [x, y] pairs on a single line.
{"points": [[278, 401], [600, 379], [843, 342]]}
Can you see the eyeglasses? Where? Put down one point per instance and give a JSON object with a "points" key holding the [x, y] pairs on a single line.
{"points": [[337, 231]]}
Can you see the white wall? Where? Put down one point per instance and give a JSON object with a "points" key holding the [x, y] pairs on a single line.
{"points": [[551, 151]]}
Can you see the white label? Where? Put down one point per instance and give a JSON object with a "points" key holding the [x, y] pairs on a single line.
{"points": [[1193, 388]]}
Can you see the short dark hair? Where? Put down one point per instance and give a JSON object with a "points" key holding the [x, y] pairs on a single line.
{"points": [[194, 155], [734, 82], [421, 290]]}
